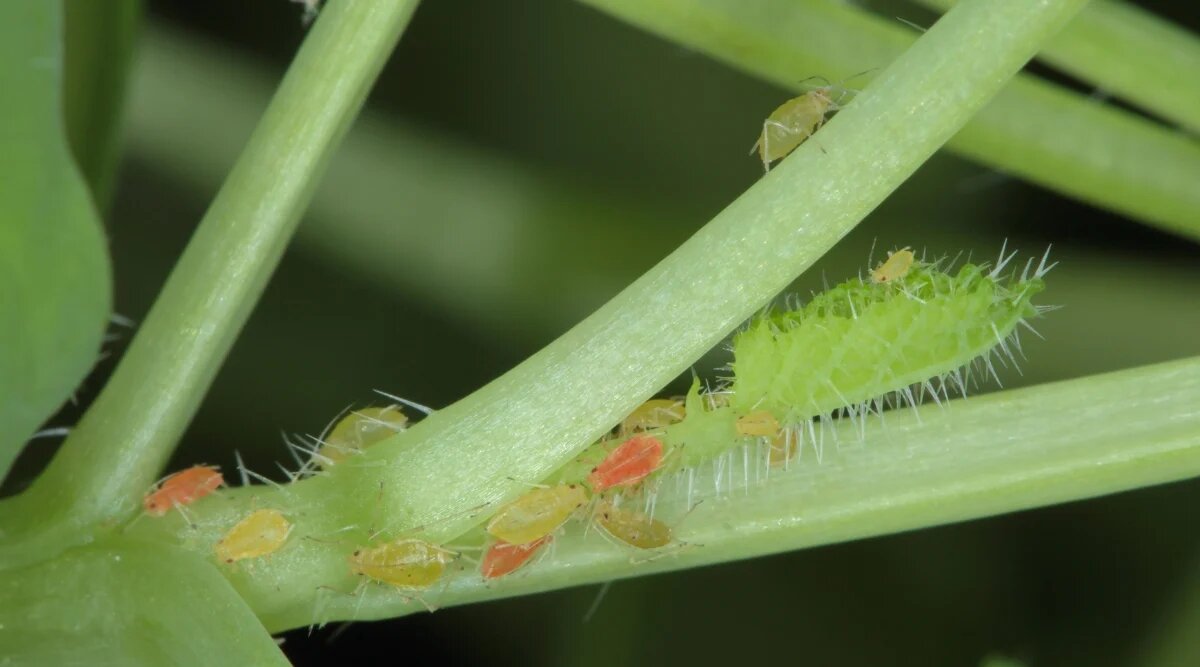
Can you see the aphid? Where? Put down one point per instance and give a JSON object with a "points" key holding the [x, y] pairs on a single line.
{"points": [[653, 414], [792, 123], [260, 534], [631, 462], [632, 527], [404, 563], [502, 558], [182, 488], [896, 266], [358, 430], [758, 423], [537, 513]]}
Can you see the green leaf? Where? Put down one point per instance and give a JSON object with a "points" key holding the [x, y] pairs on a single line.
{"points": [[55, 289], [100, 39], [128, 604]]}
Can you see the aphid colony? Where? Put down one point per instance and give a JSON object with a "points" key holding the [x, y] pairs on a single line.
{"points": [[907, 330]]}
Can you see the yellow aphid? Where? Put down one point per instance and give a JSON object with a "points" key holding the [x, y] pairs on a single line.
{"points": [[358, 430], [896, 266], [632, 527], [653, 414], [260, 534], [759, 423], [404, 563], [537, 513], [792, 123]]}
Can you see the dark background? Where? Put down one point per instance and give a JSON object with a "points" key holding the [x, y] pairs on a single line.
{"points": [[637, 143]]}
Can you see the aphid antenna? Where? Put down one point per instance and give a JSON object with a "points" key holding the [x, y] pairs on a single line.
{"points": [[416, 406], [337, 632]]}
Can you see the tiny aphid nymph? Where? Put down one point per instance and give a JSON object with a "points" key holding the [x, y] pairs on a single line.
{"points": [[260, 534], [632, 527], [895, 267], [655, 413], [182, 488], [404, 563], [759, 423], [792, 123], [537, 513], [359, 430]]}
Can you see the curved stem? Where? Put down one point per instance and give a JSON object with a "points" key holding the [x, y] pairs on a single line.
{"points": [[1125, 50], [484, 450], [121, 444], [1042, 132]]}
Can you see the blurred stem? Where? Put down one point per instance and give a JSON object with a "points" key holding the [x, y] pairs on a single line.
{"points": [[100, 40], [390, 175], [1175, 642], [124, 439], [485, 449], [1033, 129], [1123, 49]]}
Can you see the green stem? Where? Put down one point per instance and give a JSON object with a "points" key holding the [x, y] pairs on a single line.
{"points": [[1033, 129], [1125, 50], [486, 448], [123, 441]]}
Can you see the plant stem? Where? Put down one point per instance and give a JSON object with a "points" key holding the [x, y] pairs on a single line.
{"points": [[972, 458], [486, 448], [123, 441], [1123, 49], [1033, 129]]}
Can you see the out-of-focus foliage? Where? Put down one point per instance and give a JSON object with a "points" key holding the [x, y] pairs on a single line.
{"points": [[54, 273]]}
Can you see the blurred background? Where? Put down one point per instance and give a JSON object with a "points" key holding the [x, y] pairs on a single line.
{"points": [[519, 163]]}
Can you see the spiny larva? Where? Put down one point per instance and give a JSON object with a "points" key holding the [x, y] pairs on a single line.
{"points": [[910, 329]]}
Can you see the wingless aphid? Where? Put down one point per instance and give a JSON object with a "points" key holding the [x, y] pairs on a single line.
{"points": [[792, 123], [182, 488], [503, 558], [405, 563], [631, 462], [260, 534], [358, 430], [537, 513], [632, 527]]}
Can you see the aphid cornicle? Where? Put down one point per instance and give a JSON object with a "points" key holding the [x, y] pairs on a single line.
{"points": [[403, 563], [503, 558], [791, 123], [632, 527], [631, 462], [261, 533], [895, 267], [182, 488], [358, 430], [653, 414], [537, 513]]}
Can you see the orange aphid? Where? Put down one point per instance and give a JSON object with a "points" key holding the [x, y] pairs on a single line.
{"points": [[502, 558], [182, 488], [631, 462]]}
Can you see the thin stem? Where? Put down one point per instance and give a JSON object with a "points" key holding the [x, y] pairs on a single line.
{"points": [[1127, 51], [437, 477], [1042, 132], [121, 444]]}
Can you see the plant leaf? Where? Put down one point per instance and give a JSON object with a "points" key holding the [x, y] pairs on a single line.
{"points": [[100, 39], [133, 604], [55, 290]]}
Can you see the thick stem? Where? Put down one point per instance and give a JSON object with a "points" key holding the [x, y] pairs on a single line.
{"points": [[120, 446]]}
